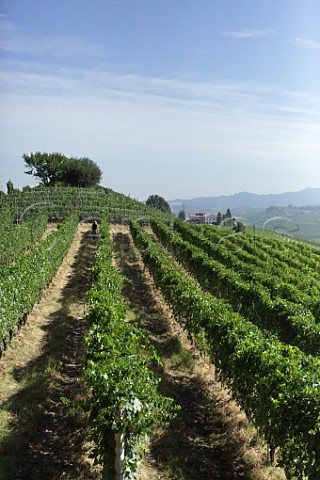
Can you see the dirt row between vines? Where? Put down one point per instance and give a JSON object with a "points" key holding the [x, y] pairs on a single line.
{"points": [[40, 438]]}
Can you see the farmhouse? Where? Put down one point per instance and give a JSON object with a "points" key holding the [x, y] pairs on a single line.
{"points": [[202, 218]]}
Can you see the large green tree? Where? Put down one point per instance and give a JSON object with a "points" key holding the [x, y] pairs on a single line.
{"points": [[47, 167], [158, 202], [81, 172], [53, 168]]}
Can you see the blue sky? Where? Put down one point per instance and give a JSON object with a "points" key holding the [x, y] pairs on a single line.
{"points": [[182, 98]]}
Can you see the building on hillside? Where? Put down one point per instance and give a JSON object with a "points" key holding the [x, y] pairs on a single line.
{"points": [[211, 219], [202, 218], [197, 218]]}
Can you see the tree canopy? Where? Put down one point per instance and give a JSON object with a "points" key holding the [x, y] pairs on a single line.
{"points": [[47, 167], [54, 168], [81, 172], [159, 203]]}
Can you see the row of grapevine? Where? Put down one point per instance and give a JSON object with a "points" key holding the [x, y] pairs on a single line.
{"points": [[22, 283], [238, 252], [289, 254], [89, 203], [300, 286], [17, 238], [125, 404], [291, 322], [67, 197], [276, 384], [280, 280], [295, 253], [6, 218]]}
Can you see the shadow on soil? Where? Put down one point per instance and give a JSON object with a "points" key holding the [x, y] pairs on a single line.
{"points": [[47, 440], [197, 444]]}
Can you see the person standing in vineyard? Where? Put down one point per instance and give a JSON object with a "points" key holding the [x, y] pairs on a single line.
{"points": [[94, 228]]}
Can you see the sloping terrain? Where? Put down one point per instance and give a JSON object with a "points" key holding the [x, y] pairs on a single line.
{"points": [[41, 438]]}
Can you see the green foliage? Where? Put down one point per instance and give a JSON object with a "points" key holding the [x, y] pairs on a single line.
{"points": [[182, 215], [239, 227], [55, 169], [16, 238], [268, 280], [272, 304], [276, 384], [22, 283], [9, 187], [228, 213], [89, 203], [158, 202], [48, 167], [124, 397], [219, 218], [81, 172], [227, 219]]}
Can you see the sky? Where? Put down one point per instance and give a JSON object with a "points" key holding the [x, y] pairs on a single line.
{"points": [[180, 98]]}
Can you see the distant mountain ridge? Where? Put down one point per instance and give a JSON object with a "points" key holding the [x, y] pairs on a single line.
{"points": [[306, 197]]}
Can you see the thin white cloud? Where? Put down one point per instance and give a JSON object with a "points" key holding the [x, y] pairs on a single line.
{"points": [[196, 128], [306, 43], [123, 111], [248, 33], [223, 97]]}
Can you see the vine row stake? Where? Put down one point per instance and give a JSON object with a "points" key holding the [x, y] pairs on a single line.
{"points": [[119, 460]]}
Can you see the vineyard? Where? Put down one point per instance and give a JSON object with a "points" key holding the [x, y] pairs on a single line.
{"points": [[248, 302]]}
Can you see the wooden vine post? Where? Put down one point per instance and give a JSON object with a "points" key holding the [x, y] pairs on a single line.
{"points": [[119, 452], [119, 460]]}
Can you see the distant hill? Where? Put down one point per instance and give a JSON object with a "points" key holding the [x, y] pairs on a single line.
{"points": [[292, 213], [307, 197]]}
